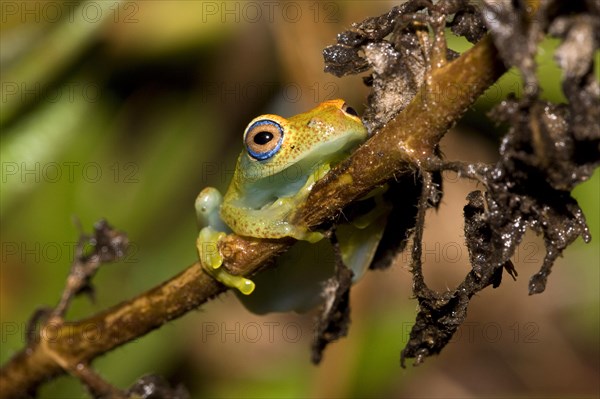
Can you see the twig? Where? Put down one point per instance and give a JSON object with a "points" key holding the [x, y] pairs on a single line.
{"points": [[405, 142]]}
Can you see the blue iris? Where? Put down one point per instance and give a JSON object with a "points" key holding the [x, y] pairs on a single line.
{"points": [[262, 155]]}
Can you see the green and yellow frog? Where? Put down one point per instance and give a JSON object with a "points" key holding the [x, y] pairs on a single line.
{"points": [[281, 161]]}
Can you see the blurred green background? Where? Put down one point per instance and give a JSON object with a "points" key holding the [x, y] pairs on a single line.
{"points": [[126, 110]]}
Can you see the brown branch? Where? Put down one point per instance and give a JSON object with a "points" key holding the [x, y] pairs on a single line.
{"points": [[406, 142]]}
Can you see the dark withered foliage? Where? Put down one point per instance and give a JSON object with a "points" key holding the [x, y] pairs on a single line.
{"points": [[404, 193], [548, 149], [394, 47], [334, 319], [105, 245]]}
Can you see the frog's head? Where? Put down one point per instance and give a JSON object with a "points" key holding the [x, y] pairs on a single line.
{"points": [[281, 155], [323, 135]]}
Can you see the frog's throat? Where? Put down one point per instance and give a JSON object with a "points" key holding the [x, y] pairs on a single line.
{"points": [[265, 185]]}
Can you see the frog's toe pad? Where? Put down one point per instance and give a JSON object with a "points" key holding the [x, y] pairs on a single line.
{"points": [[313, 236], [246, 286], [242, 284]]}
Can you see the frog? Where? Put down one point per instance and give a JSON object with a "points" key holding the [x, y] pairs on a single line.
{"points": [[281, 161]]}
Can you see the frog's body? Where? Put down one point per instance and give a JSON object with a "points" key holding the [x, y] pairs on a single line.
{"points": [[264, 192], [282, 160]]}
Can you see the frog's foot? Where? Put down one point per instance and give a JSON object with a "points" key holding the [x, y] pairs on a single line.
{"points": [[208, 203], [310, 236], [320, 172], [211, 261], [373, 216], [301, 233], [243, 285]]}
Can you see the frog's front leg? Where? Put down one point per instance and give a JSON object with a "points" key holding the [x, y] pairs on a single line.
{"points": [[207, 205], [297, 231], [274, 220]]}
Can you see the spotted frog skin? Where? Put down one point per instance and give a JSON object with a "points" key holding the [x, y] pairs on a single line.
{"points": [[281, 161]]}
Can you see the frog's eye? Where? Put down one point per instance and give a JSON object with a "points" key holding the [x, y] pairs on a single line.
{"points": [[263, 139], [349, 110]]}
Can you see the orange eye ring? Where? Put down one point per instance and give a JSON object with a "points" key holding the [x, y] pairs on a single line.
{"points": [[263, 139]]}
